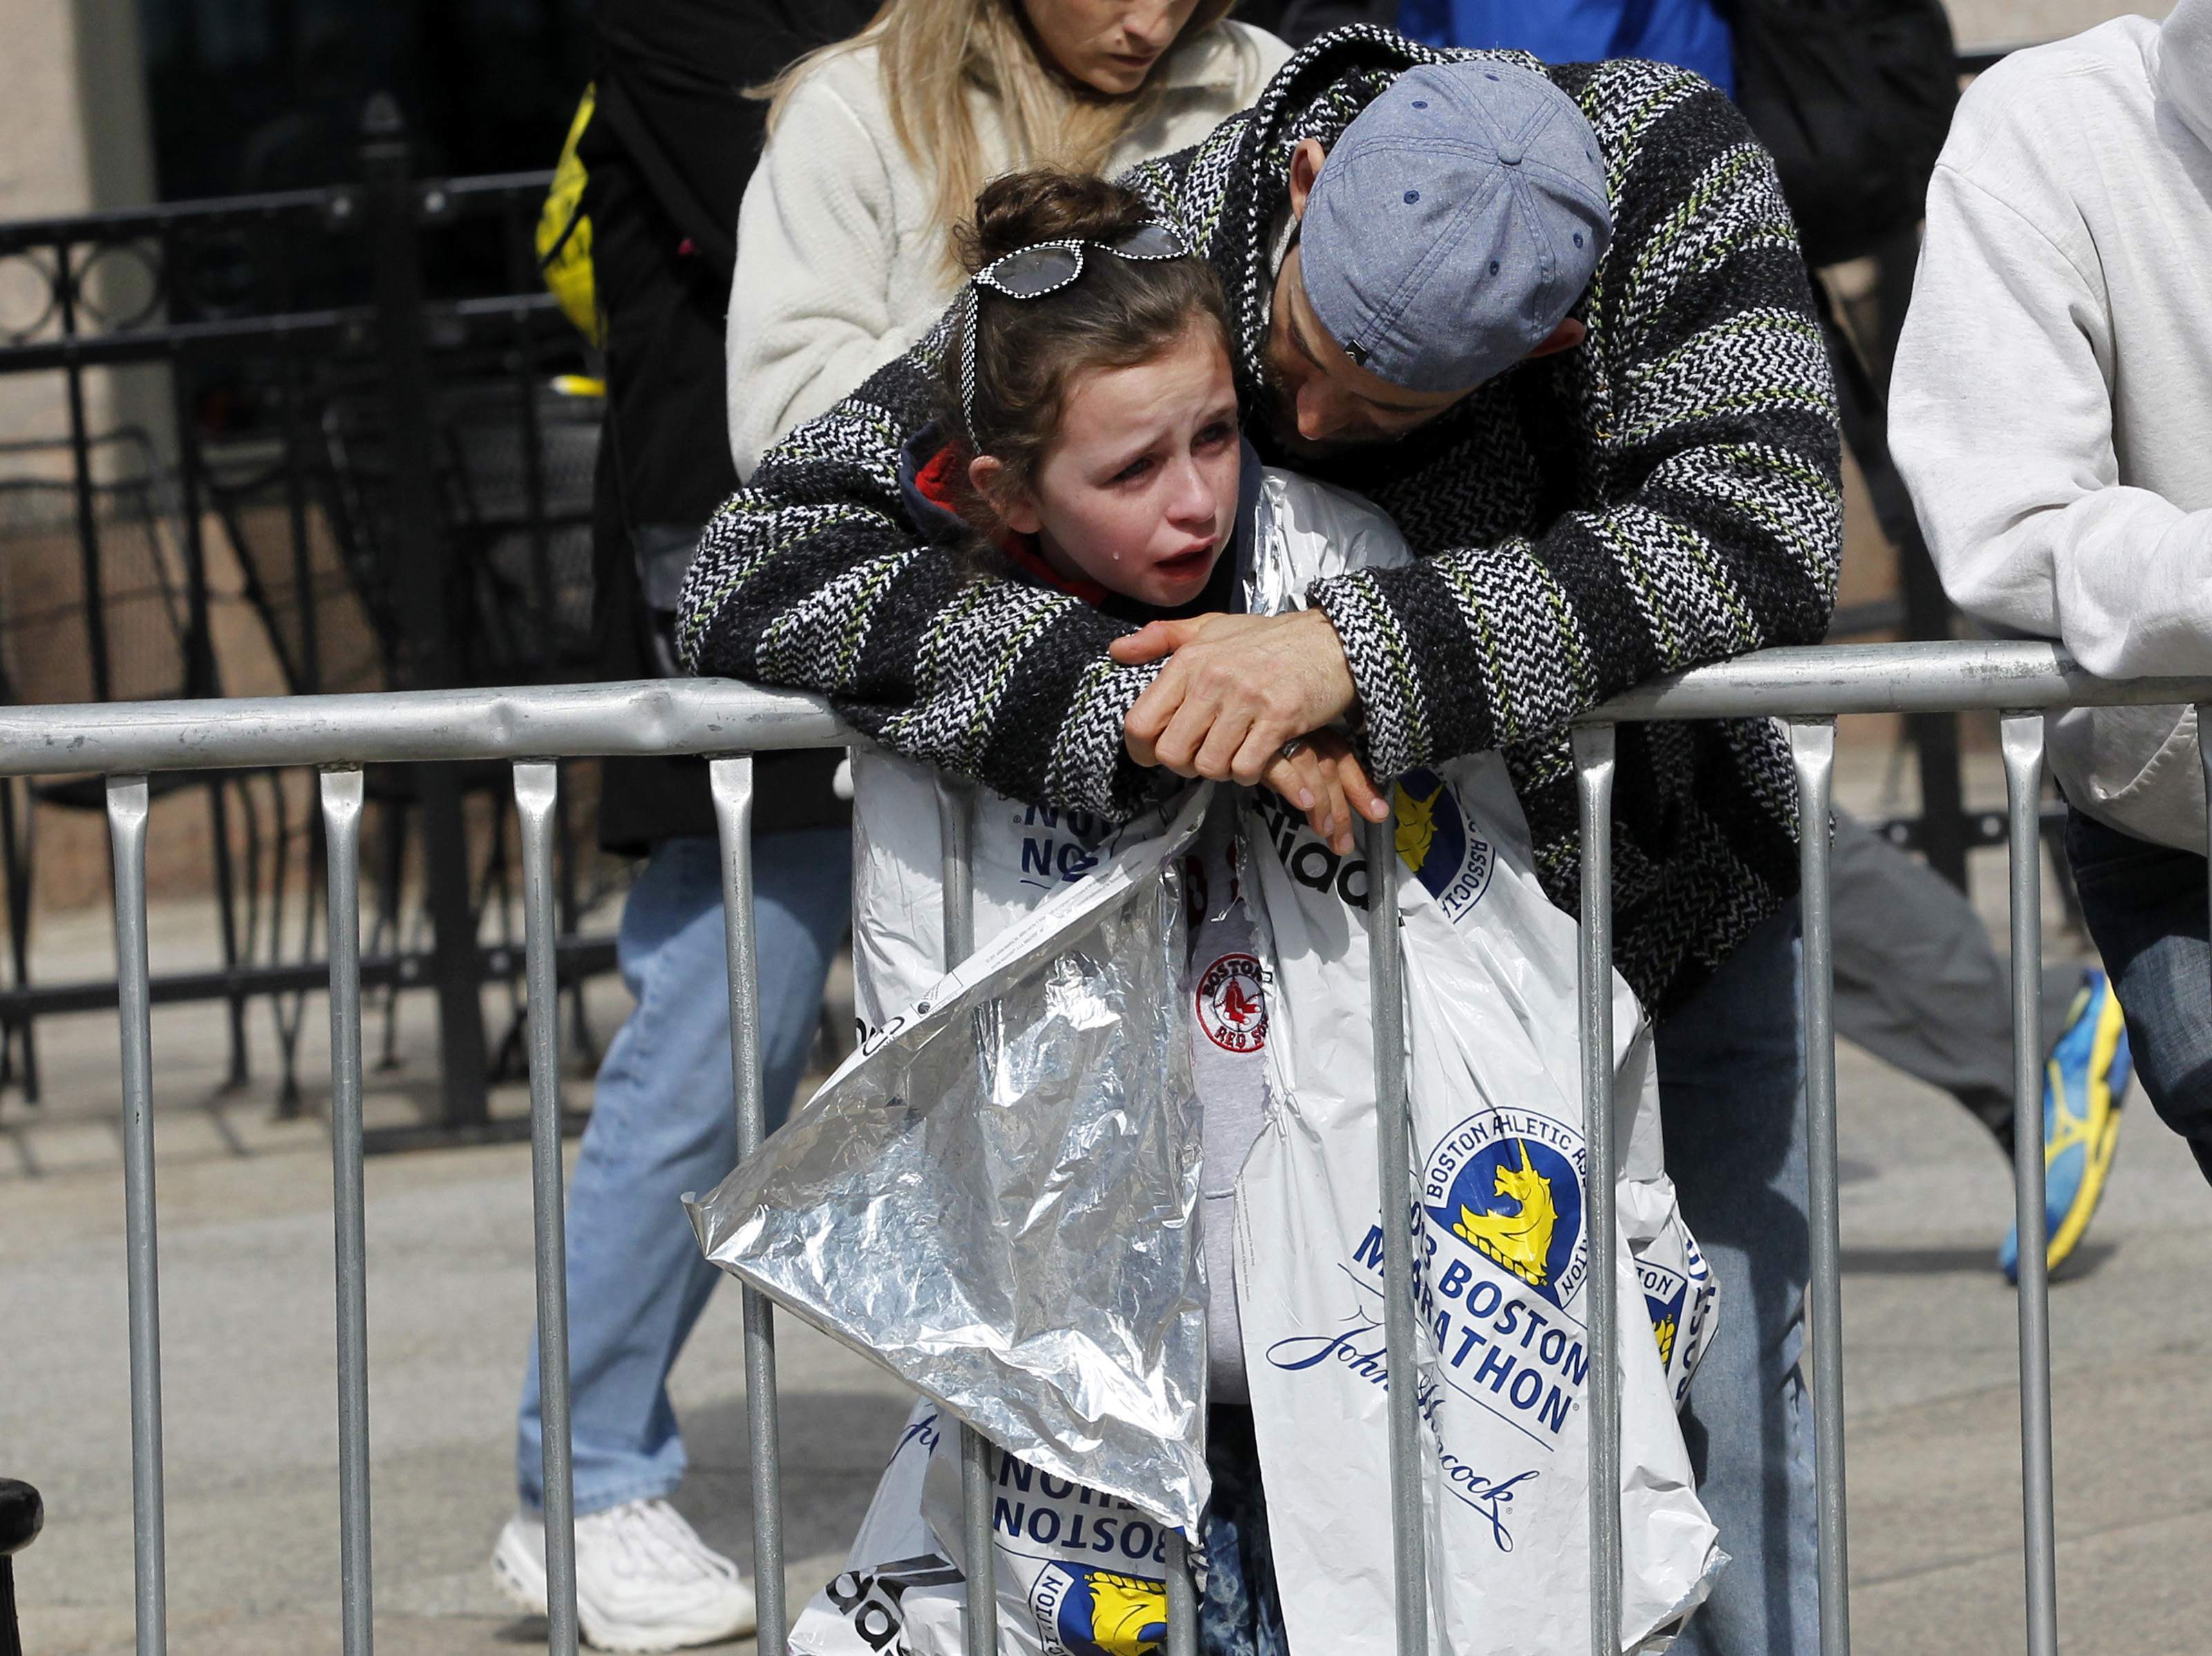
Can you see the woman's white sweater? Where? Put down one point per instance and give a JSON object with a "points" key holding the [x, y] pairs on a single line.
{"points": [[840, 264]]}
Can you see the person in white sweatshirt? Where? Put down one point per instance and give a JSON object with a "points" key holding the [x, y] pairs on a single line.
{"points": [[878, 146], [2051, 411]]}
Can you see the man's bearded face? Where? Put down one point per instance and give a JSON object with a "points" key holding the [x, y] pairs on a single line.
{"points": [[1320, 401]]}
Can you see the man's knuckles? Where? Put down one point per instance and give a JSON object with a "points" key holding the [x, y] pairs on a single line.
{"points": [[1226, 677]]}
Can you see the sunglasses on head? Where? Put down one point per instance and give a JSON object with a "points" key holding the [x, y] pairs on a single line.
{"points": [[1046, 267]]}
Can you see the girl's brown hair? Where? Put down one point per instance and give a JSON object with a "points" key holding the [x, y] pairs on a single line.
{"points": [[1118, 313], [932, 54]]}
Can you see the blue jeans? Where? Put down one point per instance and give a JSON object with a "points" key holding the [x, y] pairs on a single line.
{"points": [[664, 1121], [2145, 905], [1731, 1101], [1241, 1611]]}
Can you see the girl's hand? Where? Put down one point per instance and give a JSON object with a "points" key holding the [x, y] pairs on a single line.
{"points": [[1319, 775]]}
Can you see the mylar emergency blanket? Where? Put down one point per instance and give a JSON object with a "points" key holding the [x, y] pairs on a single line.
{"points": [[995, 1196]]}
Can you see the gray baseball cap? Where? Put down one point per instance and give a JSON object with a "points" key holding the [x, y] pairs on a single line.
{"points": [[1455, 224]]}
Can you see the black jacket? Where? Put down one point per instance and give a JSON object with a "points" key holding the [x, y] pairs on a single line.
{"points": [[671, 79], [668, 155]]}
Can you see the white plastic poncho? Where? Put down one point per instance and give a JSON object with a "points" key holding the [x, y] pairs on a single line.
{"points": [[1504, 1256]]}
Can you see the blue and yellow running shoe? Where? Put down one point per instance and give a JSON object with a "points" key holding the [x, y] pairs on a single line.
{"points": [[2083, 1084]]}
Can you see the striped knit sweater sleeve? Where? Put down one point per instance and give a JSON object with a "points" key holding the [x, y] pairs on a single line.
{"points": [[816, 577], [1711, 523]]}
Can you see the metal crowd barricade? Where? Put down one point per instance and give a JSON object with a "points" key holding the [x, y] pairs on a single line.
{"points": [[1808, 688], [729, 722]]}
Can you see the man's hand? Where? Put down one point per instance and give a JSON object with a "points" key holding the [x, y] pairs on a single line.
{"points": [[1233, 690]]}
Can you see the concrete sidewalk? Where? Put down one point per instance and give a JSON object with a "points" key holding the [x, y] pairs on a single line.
{"points": [[249, 1348], [250, 1401]]}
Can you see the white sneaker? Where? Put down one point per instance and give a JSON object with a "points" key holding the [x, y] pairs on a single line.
{"points": [[644, 1579]]}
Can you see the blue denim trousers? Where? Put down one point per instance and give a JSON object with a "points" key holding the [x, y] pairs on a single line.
{"points": [[2145, 905], [1240, 1611], [664, 1121], [1732, 1111]]}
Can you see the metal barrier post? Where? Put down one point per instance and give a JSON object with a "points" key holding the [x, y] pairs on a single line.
{"points": [[731, 782], [1812, 750], [2204, 761], [22, 1515], [126, 830], [1183, 1600], [955, 825], [1593, 748], [342, 802], [2022, 739], [67, 278], [536, 793], [422, 582], [1393, 1152]]}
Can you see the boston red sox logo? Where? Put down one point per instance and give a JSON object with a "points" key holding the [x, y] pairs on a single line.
{"points": [[1231, 1008]]}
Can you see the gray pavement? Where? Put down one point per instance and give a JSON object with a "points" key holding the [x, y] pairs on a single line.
{"points": [[250, 1404], [250, 1349]]}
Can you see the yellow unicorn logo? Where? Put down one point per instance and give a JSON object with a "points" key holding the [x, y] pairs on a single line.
{"points": [[1664, 1329], [1128, 1615], [1417, 825], [1521, 1241]]}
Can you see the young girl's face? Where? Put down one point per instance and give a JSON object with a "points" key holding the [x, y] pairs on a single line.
{"points": [[1138, 491]]}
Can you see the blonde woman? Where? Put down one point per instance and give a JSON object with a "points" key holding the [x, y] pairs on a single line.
{"points": [[878, 145]]}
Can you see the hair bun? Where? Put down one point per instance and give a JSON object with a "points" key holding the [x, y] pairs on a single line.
{"points": [[1045, 204]]}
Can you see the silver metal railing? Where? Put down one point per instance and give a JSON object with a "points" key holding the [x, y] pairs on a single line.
{"points": [[1807, 687]]}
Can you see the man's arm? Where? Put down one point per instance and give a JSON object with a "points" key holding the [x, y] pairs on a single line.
{"points": [[1718, 528], [2003, 427], [815, 578]]}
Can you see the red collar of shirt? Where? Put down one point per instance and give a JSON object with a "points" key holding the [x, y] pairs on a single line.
{"points": [[940, 483]]}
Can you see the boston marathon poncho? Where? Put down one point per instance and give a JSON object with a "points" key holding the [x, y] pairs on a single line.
{"points": [[996, 1197]]}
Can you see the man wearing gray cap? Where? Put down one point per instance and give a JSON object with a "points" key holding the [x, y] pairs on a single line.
{"points": [[1454, 228], [1555, 322]]}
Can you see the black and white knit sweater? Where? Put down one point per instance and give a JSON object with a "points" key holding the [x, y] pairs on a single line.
{"points": [[1665, 495]]}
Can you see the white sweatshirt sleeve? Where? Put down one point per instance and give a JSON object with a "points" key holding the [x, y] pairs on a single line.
{"points": [[2001, 422], [810, 312]]}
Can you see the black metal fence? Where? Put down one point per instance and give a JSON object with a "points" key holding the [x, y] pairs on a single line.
{"points": [[361, 403]]}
